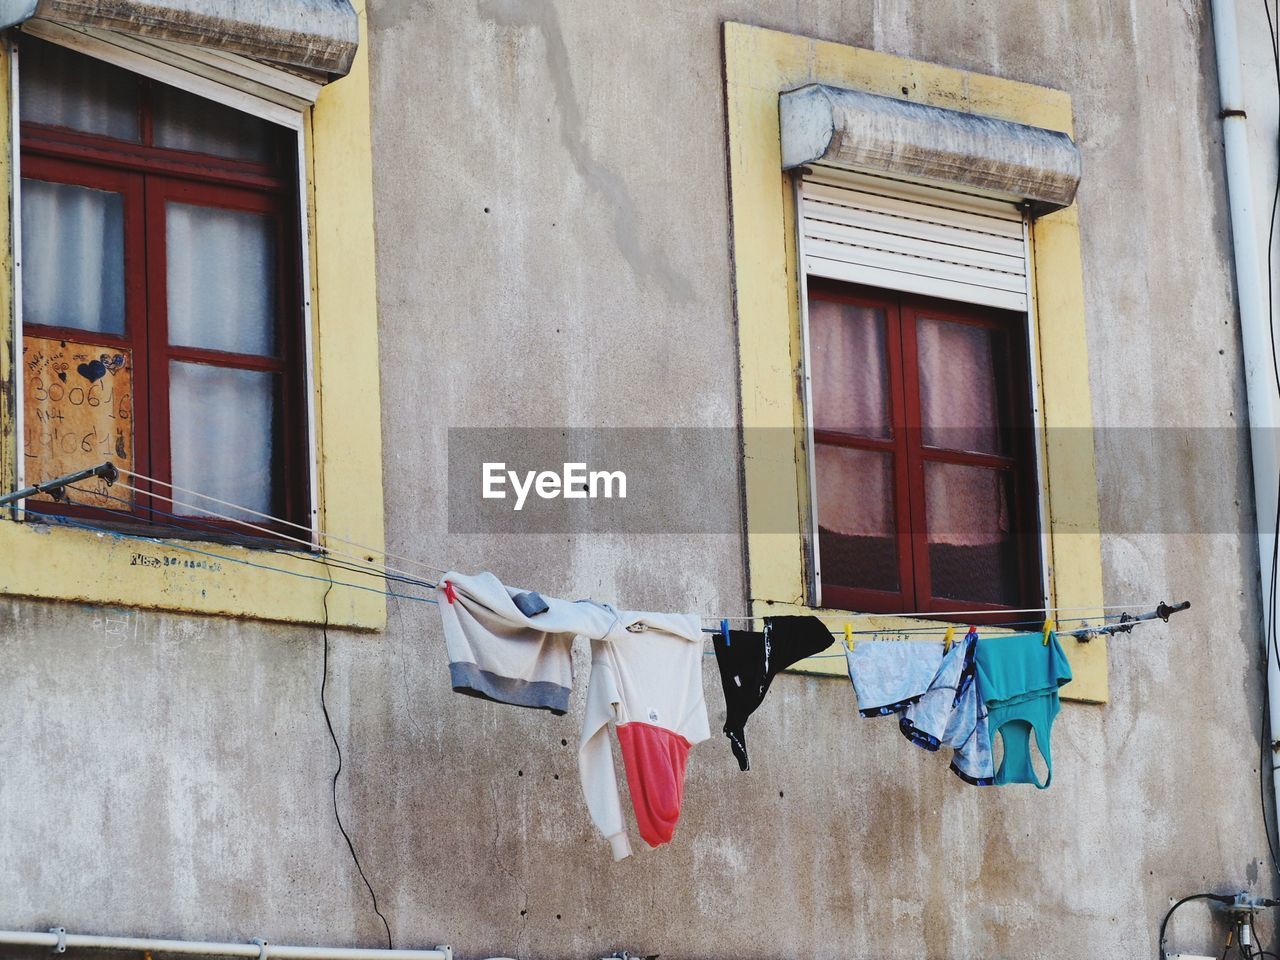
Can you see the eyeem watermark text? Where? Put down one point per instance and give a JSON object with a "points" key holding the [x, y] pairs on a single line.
{"points": [[575, 482]]}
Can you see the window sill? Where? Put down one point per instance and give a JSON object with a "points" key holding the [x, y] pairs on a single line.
{"points": [[53, 562]]}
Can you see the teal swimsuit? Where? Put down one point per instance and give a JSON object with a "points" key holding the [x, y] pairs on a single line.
{"points": [[1019, 677]]}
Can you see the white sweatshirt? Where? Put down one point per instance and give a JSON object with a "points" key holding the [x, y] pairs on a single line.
{"points": [[646, 678], [498, 653]]}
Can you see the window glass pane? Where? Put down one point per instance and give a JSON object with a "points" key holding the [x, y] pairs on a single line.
{"points": [[973, 551], [963, 369], [850, 368], [183, 121], [72, 256], [856, 531], [61, 88], [221, 281], [221, 425]]}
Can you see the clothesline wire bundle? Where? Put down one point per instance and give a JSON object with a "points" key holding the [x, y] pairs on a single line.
{"points": [[397, 575], [1119, 626], [261, 543], [926, 614], [120, 535], [739, 618], [267, 516], [271, 534], [372, 571], [942, 627]]}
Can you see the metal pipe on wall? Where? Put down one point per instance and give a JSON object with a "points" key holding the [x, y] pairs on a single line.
{"points": [[1255, 327], [58, 940]]}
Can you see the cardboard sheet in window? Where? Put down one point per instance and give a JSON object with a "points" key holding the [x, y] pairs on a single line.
{"points": [[77, 411]]}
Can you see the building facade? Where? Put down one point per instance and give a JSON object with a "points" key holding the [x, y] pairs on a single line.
{"points": [[539, 216]]}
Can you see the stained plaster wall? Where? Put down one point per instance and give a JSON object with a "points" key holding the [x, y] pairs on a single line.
{"points": [[552, 250]]}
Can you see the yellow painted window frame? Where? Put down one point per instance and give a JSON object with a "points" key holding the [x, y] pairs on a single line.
{"points": [[69, 564], [760, 64]]}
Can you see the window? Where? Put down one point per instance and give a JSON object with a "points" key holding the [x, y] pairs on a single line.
{"points": [[924, 466], [315, 165], [160, 290], [770, 277]]}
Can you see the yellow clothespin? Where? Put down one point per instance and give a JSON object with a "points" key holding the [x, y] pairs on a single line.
{"points": [[848, 637], [948, 639], [1048, 629]]}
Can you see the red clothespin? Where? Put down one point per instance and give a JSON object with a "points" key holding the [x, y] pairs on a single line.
{"points": [[449, 593]]}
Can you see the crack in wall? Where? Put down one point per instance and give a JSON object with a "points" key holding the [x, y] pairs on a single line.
{"points": [[647, 260]]}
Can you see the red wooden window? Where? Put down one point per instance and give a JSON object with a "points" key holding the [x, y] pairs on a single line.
{"points": [[165, 226], [926, 496]]}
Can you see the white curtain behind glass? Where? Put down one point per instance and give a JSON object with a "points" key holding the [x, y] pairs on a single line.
{"points": [[221, 425], [72, 257], [847, 356], [855, 491], [221, 296], [850, 394], [959, 410], [221, 280]]}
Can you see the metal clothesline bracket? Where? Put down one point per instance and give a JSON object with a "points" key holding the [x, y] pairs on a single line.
{"points": [[61, 934], [56, 487], [1127, 621], [261, 945]]}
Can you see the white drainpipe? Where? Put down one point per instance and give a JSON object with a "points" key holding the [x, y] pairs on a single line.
{"points": [[58, 940], [1255, 324]]}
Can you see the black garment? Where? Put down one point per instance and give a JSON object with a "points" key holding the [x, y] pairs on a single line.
{"points": [[750, 661]]}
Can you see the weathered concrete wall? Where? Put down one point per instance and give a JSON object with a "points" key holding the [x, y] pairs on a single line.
{"points": [[552, 241]]}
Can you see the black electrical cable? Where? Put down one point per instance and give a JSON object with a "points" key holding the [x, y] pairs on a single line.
{"points": [[324, 682], [324, 706], [1164, 924], [1261, 953]]}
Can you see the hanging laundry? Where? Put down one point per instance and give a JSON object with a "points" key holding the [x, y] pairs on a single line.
{"points": [[749, 661], [498, 653], [890, 675], [1019, 677], [971, 761], [924, 722], [950, 713], [646, 679]]}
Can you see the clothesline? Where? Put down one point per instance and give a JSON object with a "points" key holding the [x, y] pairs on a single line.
{"points": [[267, 516], [364, 565], [120, 535], [737, 618], [268, 542], [1124, 625]]}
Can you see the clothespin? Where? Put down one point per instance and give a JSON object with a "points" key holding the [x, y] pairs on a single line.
{"points": [[724, 628], [449, 593], [948, 639], [848, 636], [1048, 629]]}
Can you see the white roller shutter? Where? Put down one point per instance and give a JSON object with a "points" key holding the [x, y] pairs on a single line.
{"points": [[913, 238]]}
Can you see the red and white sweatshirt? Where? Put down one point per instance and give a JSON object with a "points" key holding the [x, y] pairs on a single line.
{"points": [[646, 678]]}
